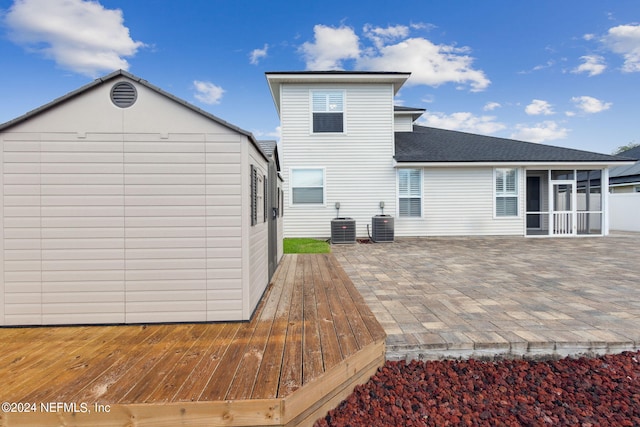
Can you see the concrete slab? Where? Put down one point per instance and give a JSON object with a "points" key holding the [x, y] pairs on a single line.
{"points": [[488, 297]]}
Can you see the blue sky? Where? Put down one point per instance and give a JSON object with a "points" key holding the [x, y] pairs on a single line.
{"points": [[565, 73]]}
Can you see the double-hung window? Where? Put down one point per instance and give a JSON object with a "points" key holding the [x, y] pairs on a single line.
{"points": [[307, 186], [328, 111], [506, 185], [409, 192]]}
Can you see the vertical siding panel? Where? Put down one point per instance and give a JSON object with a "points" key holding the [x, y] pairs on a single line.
{"points": [[21, 299], [82, 274], [224, 227], [165, 272]]}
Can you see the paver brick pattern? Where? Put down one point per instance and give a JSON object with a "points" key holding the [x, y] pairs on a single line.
{"points": [[501, 296]]}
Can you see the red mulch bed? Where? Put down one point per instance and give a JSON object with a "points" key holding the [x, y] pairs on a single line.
{"points": [[603, 391]]}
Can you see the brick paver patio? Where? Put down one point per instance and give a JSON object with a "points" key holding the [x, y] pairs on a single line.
{"points": [[501, 296]]}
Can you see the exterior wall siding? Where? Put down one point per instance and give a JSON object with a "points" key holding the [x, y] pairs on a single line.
{"points": [[258, 239], [104, 226], [358, 165], [459, 202], [403, 123]]}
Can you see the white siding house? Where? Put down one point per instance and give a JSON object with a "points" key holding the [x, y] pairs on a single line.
{"points": [[354, 167], [345, 144], [124, 204]]}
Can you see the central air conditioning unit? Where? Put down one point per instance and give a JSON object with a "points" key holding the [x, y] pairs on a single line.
{"points": [[343, 230], [382, 227]]}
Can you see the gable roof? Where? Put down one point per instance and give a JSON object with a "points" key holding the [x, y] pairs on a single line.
{"points": [[114, 75], [431, 145]]}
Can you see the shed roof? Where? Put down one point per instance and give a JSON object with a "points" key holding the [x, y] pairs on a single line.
{"points": [[119, 73], [431, 145]]}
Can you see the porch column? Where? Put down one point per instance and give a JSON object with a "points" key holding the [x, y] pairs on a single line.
{"points": [[604, 190]]}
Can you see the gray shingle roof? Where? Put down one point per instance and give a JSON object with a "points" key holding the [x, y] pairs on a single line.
{"points": [[267, 146], [627, 173], [426, 144]]}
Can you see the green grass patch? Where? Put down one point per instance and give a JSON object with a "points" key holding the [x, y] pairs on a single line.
{"points": [[305, 246]]}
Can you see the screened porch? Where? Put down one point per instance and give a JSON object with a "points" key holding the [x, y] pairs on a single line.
{"points": [[565, 202]]}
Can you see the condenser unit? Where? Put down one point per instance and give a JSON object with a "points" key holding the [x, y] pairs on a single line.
{"points": [[343, 230], [382, 227]]}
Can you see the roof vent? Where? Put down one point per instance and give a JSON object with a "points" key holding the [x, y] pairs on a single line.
{"points": [[123, 94]]}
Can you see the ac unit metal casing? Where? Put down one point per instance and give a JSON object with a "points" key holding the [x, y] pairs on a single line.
{"points": [[343, 230], [382, 227]]}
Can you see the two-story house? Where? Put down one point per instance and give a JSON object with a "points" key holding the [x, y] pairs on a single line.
{"points": [[344, 144]]}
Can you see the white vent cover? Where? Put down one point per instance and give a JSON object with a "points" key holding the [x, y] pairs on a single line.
{"points": [[123, 94]]}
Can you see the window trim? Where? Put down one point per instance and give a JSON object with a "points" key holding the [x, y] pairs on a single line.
{"points": [[344, 113], [324, 187], [421, 179], [504, 194]]}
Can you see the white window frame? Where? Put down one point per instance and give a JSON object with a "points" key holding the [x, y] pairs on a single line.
{"points": [[343, 93], [504, 193], [421, 179], [291, 186]]}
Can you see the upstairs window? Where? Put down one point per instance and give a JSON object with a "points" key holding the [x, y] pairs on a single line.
{"points": [[409, 192], [506, 181], [328, 111]]}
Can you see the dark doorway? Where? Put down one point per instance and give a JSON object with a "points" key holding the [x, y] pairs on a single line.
{"points": [[533, 201]]}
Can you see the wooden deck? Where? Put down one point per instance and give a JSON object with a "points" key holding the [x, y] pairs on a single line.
{"points": [[309, 343]]}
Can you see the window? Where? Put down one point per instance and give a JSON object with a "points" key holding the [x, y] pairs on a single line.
{"points": [[307, 186], [409, 192], [328, 111], [506, 185]]}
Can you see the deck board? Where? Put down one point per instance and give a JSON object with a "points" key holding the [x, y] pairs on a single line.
{"points": [[268, 375], [311, 340]]}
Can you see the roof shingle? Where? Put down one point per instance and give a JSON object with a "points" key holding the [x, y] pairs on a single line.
{"points": [[426, 144]]}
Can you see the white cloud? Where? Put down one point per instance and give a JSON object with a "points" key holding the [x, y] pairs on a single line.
{"points": [[539, 107], [81, 36], [429, 64], [539, 67], [490, 106], [593, 64], [541, 132], [625, 40], [589, 37], [462, 121], [382, 36], [590, 105], [257, 54], [207, 92], [330, 48], [393, 50]]}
